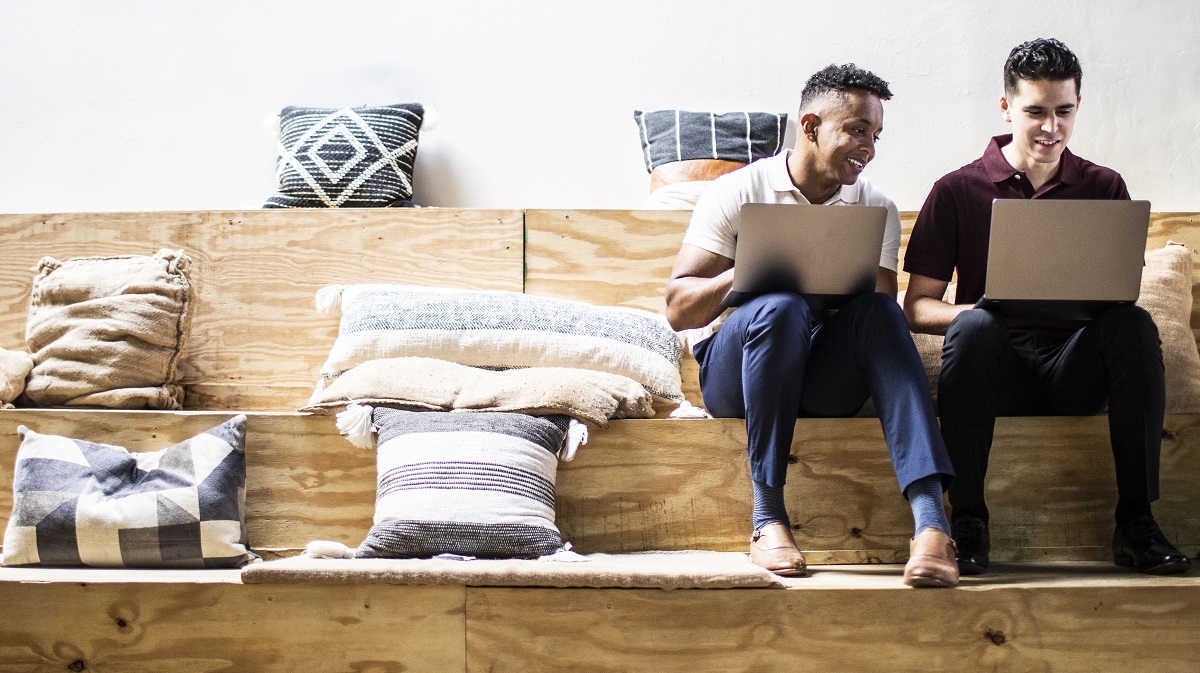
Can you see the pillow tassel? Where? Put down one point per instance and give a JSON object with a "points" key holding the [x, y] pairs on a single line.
{"points": [[329, 299], [355, 425], [327, 549], [577, 436]]}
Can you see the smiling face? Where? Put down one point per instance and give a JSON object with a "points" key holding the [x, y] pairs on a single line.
{"points": [[837, 140], [1042, 113]]}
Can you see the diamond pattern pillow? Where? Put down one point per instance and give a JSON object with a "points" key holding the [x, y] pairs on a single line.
{"points": [[347, 158], [78, 503], [477, 484]]}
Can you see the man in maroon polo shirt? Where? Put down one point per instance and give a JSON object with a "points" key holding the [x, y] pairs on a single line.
{"points": [[990, 368]]}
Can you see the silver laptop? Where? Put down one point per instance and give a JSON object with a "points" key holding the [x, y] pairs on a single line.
{"points": [[1057, 260], [828, 254]]}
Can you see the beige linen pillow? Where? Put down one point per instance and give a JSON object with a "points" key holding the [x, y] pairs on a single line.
{"points": [[1167, 296], [428, 384], [109, 331], [14, 367]]}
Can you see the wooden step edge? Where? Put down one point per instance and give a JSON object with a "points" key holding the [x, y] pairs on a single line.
{"points": [[878, 577]]}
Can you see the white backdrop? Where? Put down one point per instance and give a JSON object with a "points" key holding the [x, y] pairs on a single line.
{"points": [[139, 105]]}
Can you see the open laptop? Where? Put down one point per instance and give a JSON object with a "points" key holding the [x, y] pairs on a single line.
{"points": [[1056, 260], [828, 254]]}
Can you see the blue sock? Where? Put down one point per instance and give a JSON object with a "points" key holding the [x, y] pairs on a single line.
{"points": [[768, 505], [925, 498]]}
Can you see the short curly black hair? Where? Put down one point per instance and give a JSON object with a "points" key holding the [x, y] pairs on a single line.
{"points": [[1041, 59], [842, 79]]}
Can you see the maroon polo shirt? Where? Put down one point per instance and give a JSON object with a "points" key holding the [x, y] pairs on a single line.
{"points": [[953, 228]]}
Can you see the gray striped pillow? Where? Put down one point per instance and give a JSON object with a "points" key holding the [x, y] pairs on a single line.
{"points": [[499, 330], [679, 135], [476, 484]]}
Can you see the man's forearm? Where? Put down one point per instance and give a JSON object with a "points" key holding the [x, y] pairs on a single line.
{"points": [[694, 302]]}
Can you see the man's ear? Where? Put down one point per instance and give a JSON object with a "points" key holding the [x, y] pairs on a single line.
{"points": [[808, 125], [1004, 107]]}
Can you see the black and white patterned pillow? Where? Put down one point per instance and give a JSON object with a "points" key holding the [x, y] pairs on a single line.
{"points": [[78, 503], [476, 484], [348, 158], [679, 135]]}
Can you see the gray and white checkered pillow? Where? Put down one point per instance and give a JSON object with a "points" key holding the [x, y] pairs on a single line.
{"points": [[78, 503], [478, 484]]}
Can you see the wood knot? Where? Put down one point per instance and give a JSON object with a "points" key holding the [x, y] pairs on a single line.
{"points": [[76, 666], [1168, 435], [997, 637], [855, 532], [121, 623], [793, 459]]}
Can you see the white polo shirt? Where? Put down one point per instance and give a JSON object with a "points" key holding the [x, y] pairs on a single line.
{"points": [[714, 223]]}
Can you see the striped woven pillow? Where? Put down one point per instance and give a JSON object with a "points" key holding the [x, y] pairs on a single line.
{"points": [[499, 330], [476, 484]]}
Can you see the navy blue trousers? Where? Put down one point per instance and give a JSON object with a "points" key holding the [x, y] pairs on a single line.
{"points": [[989, 370], [770, 363]]}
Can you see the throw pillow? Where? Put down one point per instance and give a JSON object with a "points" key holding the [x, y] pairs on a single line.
{"points": [[1166, 295], [435, 385], [472, 484], [347, 158], [109, 331], [678, 135], [500, 330], [78, 503], [14, 367]]}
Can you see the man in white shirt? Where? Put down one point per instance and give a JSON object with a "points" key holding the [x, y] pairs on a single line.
{"points": [[773, 359]]}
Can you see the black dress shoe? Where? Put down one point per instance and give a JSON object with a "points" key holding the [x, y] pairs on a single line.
{"points": [[974, 544], [1140, 544]]}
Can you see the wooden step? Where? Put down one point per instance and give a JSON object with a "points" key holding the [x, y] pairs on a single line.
{"points": [[1060, 617], [684, 484]]}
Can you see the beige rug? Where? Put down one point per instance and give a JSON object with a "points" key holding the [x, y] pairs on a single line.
{"points": [[648, 570]]}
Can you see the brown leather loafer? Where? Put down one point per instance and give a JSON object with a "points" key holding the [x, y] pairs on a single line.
{"points": [[773, 547], [931, 560]]}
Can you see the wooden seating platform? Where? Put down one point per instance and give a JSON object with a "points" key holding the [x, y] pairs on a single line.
{"points": [[257, 344]]}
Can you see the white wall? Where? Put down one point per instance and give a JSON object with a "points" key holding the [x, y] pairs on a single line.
{"points": [[138, 105]]}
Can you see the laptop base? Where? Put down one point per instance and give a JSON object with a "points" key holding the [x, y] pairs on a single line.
{"points": [[1051, 311]]}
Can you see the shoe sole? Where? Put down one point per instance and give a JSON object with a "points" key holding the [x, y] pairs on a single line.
{"points": [[1172, 568], [968, 569]]}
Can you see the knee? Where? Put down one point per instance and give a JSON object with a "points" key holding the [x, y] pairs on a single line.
{"points": [[976, 331], [782, 310], [1128, 324]]}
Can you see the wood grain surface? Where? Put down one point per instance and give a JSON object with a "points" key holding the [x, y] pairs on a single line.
{"points": [[1008, 625], [257, 341], [684, 484], [186, 627]]}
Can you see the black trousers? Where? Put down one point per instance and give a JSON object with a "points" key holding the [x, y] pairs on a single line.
{"points": [[989, 370]]}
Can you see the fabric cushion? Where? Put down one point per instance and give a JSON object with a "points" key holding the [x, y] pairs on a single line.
{"points": [[110, 331], [78, 503], [437, 385], [473, 484], [678, 135], [14, 367], [347, 158], [1166, 294], [500, 330]]}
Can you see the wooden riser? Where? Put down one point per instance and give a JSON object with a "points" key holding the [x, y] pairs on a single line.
{"points": [[684, 484], [1078, 617]]}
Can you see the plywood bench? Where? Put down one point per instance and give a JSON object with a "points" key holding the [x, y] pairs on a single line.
{"points": [[642, 484], [652, 484]]}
